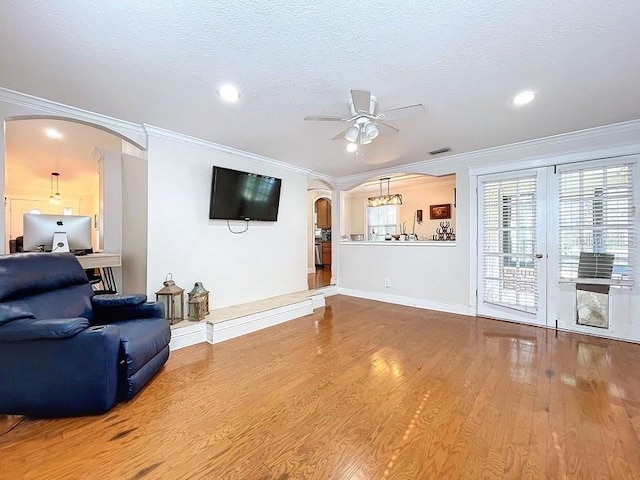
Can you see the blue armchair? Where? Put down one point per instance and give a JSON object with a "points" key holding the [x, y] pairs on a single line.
{"points": [[65, 351]]}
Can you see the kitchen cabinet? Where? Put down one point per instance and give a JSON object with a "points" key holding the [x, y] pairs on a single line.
{"points": [[323, 213], [326, 254]]}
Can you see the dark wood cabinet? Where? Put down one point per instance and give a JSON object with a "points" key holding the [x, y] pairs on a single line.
{"points": [[323, 213], [326, 253]]}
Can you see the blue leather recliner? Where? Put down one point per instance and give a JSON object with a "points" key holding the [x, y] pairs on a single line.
{"points": [[65, 351]]}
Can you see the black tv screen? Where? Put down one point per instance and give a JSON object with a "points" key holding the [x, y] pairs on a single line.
{"points": [[239, 195]]}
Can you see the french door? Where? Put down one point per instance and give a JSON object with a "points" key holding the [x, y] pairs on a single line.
{"points": [[512, 250]]}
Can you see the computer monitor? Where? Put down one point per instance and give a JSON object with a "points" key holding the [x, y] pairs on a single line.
{"points": [[56, 233]]}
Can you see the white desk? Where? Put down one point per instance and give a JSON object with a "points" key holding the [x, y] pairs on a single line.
{"points": [[99, 260]]}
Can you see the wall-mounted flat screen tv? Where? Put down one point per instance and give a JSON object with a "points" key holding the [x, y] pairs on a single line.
{"points": [[239, 195]]}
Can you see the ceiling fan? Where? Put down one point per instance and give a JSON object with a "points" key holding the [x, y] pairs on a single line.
{"points": [[365, 123]]}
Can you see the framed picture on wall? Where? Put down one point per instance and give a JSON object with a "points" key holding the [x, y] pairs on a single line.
{"points": [[438, 212]]}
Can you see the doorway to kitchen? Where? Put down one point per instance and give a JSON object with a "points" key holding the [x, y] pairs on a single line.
{"points": [[321, 243]]}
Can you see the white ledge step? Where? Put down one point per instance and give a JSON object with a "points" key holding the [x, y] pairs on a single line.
{"points": [[231, 322]]}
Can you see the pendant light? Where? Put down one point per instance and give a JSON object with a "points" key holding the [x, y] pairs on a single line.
{"points": [[55, 198], [388, 199]]}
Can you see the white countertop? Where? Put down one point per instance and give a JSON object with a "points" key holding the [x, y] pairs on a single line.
{"points": [[406, 243]]}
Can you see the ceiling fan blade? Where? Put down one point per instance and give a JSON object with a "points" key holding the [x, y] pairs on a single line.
{"points": [[340, 134], [325, 119], [385, 129], [361, 101], [402, 112]]}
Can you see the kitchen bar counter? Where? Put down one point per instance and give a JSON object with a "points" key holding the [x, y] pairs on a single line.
{"points": [[397, 243]]}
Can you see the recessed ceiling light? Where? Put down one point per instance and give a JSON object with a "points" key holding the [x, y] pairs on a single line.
{"points": [[352, 147], [523, 98], [229, 93], [53, 133]]}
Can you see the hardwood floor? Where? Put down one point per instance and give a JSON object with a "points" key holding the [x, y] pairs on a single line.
{"points": [[362, 390], [321, 278]]}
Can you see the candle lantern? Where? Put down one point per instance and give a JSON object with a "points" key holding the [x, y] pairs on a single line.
{"points": [[172, 297], [198, 302]]}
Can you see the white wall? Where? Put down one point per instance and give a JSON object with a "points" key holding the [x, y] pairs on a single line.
{"points": [[427, 275], [269, 259], [434, 276], [134, 224]]}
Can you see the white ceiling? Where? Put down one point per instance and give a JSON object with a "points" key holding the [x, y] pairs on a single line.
{"points": [[159, 62]]}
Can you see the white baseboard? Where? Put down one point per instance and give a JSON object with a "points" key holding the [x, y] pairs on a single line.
{"points": [[317, 300], [241, 326], [311, 270], [408, 301], [328, 291], [187, 336]]}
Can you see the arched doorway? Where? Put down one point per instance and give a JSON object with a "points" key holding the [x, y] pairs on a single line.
{"points": [[321, 229], [96, 169], [322, 243]]}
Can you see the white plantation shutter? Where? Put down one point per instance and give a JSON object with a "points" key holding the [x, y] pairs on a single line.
{"points": [[596, 222], [509, 243]]}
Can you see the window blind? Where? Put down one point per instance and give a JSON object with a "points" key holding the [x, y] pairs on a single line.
{"points": [[381, 220], [596, 222], [509, 243]]}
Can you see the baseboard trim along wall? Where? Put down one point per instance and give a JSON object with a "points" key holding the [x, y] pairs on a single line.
{"points": [[409, 301]]}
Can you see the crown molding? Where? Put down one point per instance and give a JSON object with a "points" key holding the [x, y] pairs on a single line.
{"points": [[328, 179], [564, 144], [351, 181], [557, 158], [530, 148], [49, 107], [189, 140], [399, 183]]}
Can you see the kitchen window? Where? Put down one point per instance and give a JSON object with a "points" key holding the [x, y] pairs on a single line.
{"points": [[381, 221]]}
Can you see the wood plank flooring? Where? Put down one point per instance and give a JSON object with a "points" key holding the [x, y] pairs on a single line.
{"points": [[362, 390], [320, 278]]}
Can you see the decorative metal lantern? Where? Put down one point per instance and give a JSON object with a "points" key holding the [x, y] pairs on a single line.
{"points": [[172, 297], [198, 303]]}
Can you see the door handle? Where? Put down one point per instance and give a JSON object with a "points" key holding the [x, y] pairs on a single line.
{"points": [[538, 255]]}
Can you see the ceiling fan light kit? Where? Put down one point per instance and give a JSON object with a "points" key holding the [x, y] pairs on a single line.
{"points": [[366, 124], [352, 134], [371, 131]]}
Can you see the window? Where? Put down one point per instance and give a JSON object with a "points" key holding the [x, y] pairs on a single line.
{"points": [[596, 211], [509, 243], [518, 229], [381, 221]]}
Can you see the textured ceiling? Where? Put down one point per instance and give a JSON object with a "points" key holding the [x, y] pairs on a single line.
{"points": [[160, 62]]}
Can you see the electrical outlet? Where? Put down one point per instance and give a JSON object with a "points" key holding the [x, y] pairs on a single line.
{"points": [[386, 283]]}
